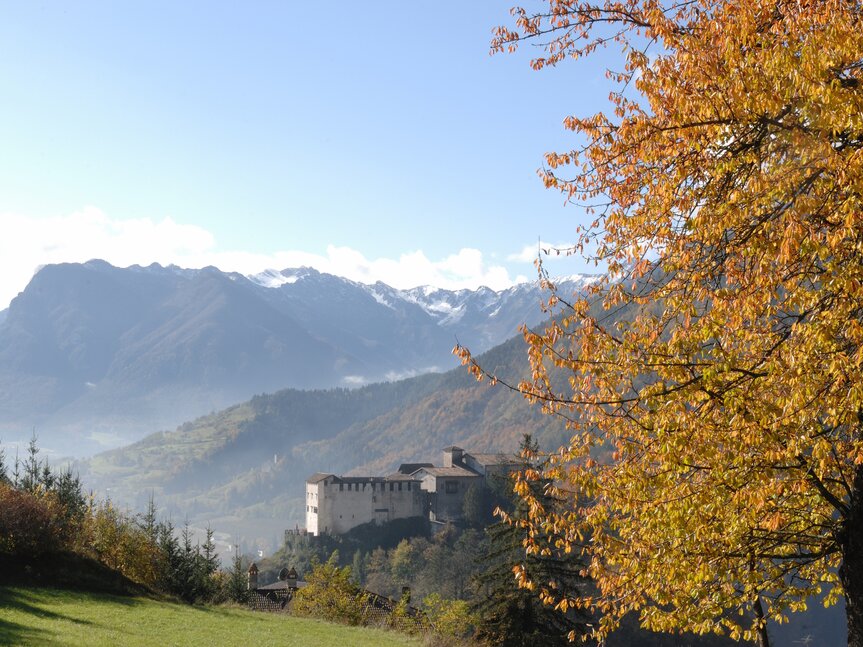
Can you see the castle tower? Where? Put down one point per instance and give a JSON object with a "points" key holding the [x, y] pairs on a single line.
{"points": [[452, 456]]}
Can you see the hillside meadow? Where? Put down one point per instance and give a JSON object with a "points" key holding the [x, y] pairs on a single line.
{"points": [[50, 617]]}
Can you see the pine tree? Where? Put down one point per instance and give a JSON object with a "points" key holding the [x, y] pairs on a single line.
{"points": [[510, 611], [32, 466], [358, 568], [170, 547], [237, 583], [4, 477], [148, 521], [208, 563]]}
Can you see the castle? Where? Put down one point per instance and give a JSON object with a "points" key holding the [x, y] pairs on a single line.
{"points": [[335, 504]]}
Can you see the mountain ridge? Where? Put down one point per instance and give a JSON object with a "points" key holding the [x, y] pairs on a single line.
{"points": [[244, 467], [94, 356]]}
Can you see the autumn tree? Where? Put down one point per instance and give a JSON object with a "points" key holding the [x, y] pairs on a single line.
{"points": [[331, 593], [716, 458]]}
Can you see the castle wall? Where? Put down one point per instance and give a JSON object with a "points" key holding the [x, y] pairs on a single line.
{"points": [[447, 495], [343, 504], [312, 507]]}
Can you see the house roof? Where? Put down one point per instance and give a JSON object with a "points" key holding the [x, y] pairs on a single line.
{"points": [[280, 584], [360, 479], [319, 476], [399, 476], [495, 459], [448, 471], [452, 448], [410, 468]]}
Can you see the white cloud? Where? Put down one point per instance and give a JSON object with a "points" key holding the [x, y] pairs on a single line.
{"points": [[28, 243]]}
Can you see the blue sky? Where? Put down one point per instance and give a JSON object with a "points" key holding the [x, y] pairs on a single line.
{"points": [[375, 140]]}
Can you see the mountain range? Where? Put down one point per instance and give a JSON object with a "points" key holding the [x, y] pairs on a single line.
{"points": [[95, 356], [242, 469]]}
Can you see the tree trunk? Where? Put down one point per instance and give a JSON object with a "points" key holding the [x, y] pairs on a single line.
{"points": [[851, 571], [762, 638]]}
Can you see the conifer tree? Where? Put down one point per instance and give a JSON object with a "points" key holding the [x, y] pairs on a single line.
{"points": [[4, 476], [237, 583], [512, 615]]}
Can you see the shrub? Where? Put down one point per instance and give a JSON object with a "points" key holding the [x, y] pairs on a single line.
{"points": [[331, 593], [117, 542], [449, 618], [30, 525]]}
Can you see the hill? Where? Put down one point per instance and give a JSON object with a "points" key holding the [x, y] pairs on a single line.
{"points": [[94, 356], [243, 469], [49, 617]]}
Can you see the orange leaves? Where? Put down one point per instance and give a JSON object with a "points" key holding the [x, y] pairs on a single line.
{"points": [[714, 386]]}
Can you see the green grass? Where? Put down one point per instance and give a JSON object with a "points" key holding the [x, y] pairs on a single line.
{"points": [[48, 617]]}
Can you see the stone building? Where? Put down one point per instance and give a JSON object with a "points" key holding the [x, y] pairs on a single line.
{"points": [[335, 504]]}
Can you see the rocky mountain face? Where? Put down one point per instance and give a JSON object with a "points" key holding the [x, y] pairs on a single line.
{"points": [[93, 356]]}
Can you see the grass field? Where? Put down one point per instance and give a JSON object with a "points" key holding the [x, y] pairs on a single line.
{"points": [[48, 617]]}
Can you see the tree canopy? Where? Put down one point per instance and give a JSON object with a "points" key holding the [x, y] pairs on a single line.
{"points": [[716, 458]]}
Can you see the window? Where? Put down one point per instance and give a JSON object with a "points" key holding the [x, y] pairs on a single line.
{"points": [[391, 486], [315, 509], [451, 487], [400, 486], [409, 486], [341, 487]]}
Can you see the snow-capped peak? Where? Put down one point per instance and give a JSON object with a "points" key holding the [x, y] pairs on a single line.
{"points": [[272, 278], [275, 278]]}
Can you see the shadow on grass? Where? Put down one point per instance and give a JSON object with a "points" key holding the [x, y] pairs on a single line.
{"points": [[65, 570], [13, 633]]}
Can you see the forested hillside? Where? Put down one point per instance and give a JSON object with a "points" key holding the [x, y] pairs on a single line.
{"points": [[242, 469]]}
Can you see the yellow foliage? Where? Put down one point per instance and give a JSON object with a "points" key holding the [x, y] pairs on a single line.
{"points": [[726, 193]]}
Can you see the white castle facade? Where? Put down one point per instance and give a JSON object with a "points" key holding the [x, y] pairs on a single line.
{"points": [[335, 504]]}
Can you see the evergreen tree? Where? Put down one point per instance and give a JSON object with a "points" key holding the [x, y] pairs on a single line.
{"points": [[16, 471], [148, 521], [476, 510], [358, 567], [32, 466], [189, 568], [513, 615], [4, 477], [69, 491], [236, 586], [170, 547], [208, 564]]}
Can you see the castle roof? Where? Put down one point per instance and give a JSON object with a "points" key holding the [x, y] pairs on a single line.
{"points": [[454, 471], [495, 459], [399, 476], [410, 468], [360, 479]]}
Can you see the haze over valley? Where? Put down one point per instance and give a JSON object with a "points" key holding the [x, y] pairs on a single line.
{"points": [[93, 356]]}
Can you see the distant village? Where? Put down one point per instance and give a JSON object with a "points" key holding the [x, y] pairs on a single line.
{"points": [[336, 504]]}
